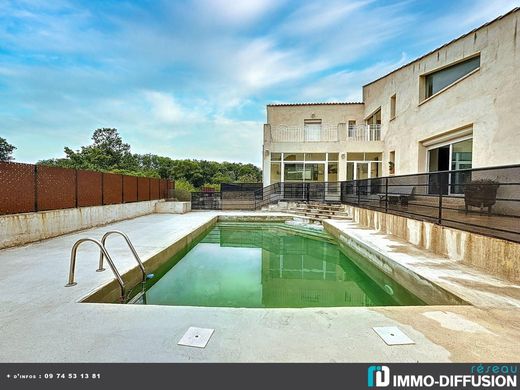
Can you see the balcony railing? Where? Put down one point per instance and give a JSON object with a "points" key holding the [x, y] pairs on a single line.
{"points": [[364, 133], [324, 133]]}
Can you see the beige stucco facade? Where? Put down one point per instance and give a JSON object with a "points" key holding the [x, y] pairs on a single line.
{"points": [[482, 105]]}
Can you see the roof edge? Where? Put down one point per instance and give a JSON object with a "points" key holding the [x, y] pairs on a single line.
{"points": [[444, 45], [313, 104]]}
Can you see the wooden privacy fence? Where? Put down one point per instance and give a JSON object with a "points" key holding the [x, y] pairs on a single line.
{"points": [[27, 188]]}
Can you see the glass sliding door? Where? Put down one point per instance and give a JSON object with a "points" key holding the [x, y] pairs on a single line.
{"points": [[461, 158], [361, 170], [314, 172], [293, 172], [453, 156]]}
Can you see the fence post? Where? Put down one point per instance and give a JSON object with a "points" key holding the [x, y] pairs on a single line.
{"points": [[35, 187], [76, 192], [386, 195], [102, 189], [439, 218]]}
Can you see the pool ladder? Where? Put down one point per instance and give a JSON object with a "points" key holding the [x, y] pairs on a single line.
{"points": [[104, 254]]}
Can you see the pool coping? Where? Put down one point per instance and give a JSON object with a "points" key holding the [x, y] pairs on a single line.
{"points": [[388, 253]]}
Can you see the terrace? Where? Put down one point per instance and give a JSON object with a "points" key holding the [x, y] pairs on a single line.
{"points": [[480, 304], [323, 133], [45, 322]]}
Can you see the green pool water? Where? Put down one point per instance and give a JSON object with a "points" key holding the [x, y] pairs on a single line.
{"points": [[271, 265]]}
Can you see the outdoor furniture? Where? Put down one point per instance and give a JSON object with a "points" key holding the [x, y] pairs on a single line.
{"points": [[481, 193], [397, 194]]}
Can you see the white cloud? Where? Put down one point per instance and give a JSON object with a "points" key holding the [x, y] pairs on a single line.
{"points": [[237, 12], [191, 79], [314, 16], [347, 85]]}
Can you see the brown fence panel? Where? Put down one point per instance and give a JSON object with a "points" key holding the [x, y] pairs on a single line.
{"points": [[16, 188], [89, 188], [143, 188], [163, 188], [112, 188], [155, 192], [129, 189], [55, 188]]}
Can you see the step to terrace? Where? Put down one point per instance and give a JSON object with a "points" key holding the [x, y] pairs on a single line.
{"points": [[319, 211]]}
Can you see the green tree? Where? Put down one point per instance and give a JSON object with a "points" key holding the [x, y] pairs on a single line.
{"points": [[6, 150], [108, 153]]}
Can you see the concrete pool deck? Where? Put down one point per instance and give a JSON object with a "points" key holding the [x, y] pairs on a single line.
{"points": [[42, 321]]}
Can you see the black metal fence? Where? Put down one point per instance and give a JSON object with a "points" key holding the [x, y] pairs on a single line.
{"points": [[482, 200], [206, 201], [232, 196]]}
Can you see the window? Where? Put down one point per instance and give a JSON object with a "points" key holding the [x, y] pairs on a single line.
{"points": [[375, 118], [333, 171], [276, 172], [307, 167], [293, 156], [392, 107], [293, 172], [314, 156], [391, 163], [437, 81], [351, 129], [364, 165], [333, 156], [314, 172], [312, 130]]}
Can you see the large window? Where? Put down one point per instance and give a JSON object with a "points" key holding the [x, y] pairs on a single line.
{"points": [[437, 81], [308, 167], [364, 165]]}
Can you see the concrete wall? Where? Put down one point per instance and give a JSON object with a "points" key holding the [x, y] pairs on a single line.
{"points": [[173, 207], [492, 255], [486, 103], [330, 114], [19, 229]]}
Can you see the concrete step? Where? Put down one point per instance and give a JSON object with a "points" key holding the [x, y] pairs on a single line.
{"points": [[319, 215]]}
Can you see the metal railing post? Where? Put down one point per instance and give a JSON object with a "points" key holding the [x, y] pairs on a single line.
{"points": [[386, 195], [439, 218]]}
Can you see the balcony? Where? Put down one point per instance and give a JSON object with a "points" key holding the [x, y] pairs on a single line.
{"points": [[320, 133], [364, 133]]}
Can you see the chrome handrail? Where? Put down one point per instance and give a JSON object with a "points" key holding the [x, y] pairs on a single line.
{"points": [[134, 252], [104, 252]]}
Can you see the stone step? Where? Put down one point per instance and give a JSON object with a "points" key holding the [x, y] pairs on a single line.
{"points": [[319, 215]]}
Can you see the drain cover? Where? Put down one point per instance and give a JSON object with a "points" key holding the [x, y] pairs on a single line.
{"points": [[392, 335], [196, 337]]}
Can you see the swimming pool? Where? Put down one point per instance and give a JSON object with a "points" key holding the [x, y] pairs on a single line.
{"points": [[270, 265]]}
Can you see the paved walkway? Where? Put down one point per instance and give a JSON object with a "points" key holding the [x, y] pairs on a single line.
{"points": [[42, 321]]}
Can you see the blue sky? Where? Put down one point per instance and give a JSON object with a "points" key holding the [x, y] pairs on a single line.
{"points": [[190, 79]]}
